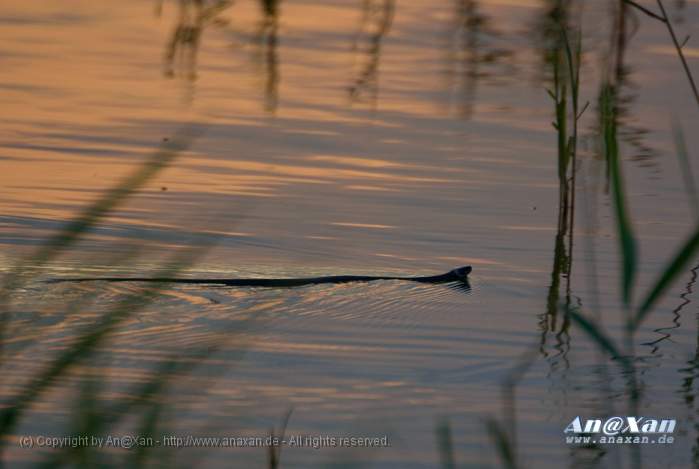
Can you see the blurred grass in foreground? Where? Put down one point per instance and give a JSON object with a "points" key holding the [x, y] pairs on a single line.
{"points": [[95, 416]]}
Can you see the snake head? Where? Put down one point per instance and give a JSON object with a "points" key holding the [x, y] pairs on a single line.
{"points": [[462, 272]]}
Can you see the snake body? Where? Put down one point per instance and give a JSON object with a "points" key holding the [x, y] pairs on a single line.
{"points": [[459, 274]]}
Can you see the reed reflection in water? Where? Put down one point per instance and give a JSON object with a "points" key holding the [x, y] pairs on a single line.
{"points": [[374, 26], [195, 16], [267, 40], [472, 54]]}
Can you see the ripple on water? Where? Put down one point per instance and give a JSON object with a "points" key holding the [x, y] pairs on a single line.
{"points": [[367, 304], [350, 346]]}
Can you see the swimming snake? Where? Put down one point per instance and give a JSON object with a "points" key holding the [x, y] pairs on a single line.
{"points": [[459, 274]]}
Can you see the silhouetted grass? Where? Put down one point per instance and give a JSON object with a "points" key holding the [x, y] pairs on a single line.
{"points": [[90, 418], [83, 348], [274, 451], [503, 446], [627, 241], [445, 444], [146, 400], [663, 18], [503, 433], [686, 168], [675, 267], [90, 216], [565, 93], [564, 61], [605, 343]]}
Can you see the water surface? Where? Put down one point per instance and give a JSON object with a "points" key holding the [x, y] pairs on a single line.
{"points": [[336, 141]]}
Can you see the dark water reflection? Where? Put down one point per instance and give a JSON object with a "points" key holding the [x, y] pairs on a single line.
{"points": [[472, 56], [416, 174], [374, 25]]}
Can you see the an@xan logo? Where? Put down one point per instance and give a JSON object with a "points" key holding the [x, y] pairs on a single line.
{"points": [[615, 430]]}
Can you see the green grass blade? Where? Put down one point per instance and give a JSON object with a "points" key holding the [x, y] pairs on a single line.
{"points": [[600, 338], [562, 128], [274, 451], [678, 265], [502, 443], [685, 166], [84, 346], [445, 444], [148, 426], [141, 399], [627, 241]]}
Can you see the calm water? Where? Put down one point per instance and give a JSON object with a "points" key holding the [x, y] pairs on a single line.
{"points": [[393, 141]]}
